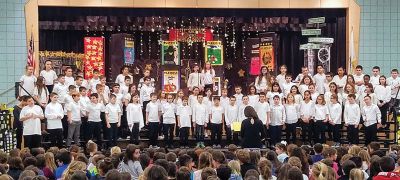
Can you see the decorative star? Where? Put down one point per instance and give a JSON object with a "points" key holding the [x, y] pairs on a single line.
{"points": [[241, 73], [190, 43], [160, 41], [233, 43], [226, 35]]}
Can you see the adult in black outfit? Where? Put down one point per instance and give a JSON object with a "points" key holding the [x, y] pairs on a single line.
{"points": [[252, 130]]}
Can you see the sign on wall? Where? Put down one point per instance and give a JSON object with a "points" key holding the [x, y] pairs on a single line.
{"points": [[94, 55]]}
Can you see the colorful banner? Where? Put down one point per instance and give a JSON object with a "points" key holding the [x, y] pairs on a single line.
{"points": [[170, 81], [267, 55], [214, 53], [217, 86], [129, 51], [170, 53], [255, 66], [190, 35], [94, 55]]}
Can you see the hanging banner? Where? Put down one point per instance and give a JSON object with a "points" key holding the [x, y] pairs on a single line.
{"points": [[129, 51], [267, 53], [170, 81], [217, 86], [170, 53], [255, 66], [190, 35], [94, 55], [214, 53]]}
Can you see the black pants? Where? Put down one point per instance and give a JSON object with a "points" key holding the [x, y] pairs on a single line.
{"points": [[184, 136], [306, 129], [319, 131], [94, 132], [199, 133], [112, 134], [228, 132], [135, 134], [384, 111], [84, 129], [291, 133], [153, 133], [144, 108], [65, 123], [123, 130], [216, 132], [33, 141], [56, 137], [168, 133], [19, 136], [370, 134], [275, 134], [329, 130], [336, 133], [50, 88], [352, 134]]}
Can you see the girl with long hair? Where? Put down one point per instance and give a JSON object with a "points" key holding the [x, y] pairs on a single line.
{"points": [[41, 93], [49, 75], [383, 96], [261, 82], [208, 74]]}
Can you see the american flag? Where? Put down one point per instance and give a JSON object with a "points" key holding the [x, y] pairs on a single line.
{"points": [[31, 52]]}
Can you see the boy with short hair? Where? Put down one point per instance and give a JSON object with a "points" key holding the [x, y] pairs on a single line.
{"points": [[374, 80], [184, 115], [245, 100], [304, 72], [113, 120], [54, 114], [153, 113], [372, 120], [200, 119], [94, 81], [115, 90], [216, 119], [238, 95], [287, 85], [145, 93], [28, 82], [61, 89], [84, 100], [394, 82], [124, 87], [328, 80], [168, 110], [69, 78], [102, 96], [93, 111], [358, 77], [352, 116], [74, 110], [78, 82], [30, 116], [263, 110], [231, 115], [224, 99], [320, 79]]}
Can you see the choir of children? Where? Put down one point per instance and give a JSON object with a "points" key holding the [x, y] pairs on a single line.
{"points": [[313, 103]]}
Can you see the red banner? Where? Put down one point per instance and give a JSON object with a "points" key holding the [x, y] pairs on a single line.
{"points": [[94, 55], [190, 35]]}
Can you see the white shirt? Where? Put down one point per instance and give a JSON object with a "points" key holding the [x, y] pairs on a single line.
{"points": [[224, 101], [239, 98], [94, 111], [43, 95], [141, 82], [114, 112], [261, 86], [320, 112], [200, 114], [28, 83], [345, 95], [262, 110], [61, 90], [253, 100], [335, 113], [195, 80], [278, 115], [303, 88], [307, 109], [286, 87], [145, 93], [314, 96], [241, 115], [374, 100], [134, 113], [121, 79], [319, 82], [83, 102], [153, 108], [328, 95], [393, 83], [301, 76], [371, 115], [31, 126], [231, 114], [217, 112], [352, 114], [298, 98], [292, 113], [119, 98], [208, 76], [93, 83], [123, 89], [49, 76], [383, 93], [54, 114], [184, 113], [281, 79], [75, 109], [69, 80], [270, 96], [340, 82], [168, 110], [374, 80]]}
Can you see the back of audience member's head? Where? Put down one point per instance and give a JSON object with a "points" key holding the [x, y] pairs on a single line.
{"points": [[125, 175], [232, 148], [79, 175], [295, 161], [252, 172], [15, 152], [265, 168], [171, 169], [30, 161], [224, 172], [328, 152], [373, 146], [283, 171], [53, 150], [34, 169], [320, 171], [213, 177], [328, 162], [347, 166], [5, 177], [115, 150], [157, 172], [207, 172], [81, 157], [345, 158], [183, 173], [318, 148], [295, 173], [91, 146], [354, 150], [374, 167], [104, 166], [63, 157], [205, 160], [235, 166], [113, 175], [144, 160], [15, 163], [3, 157], [27, 173], [243, 155], [36, 151], [3, 169], [356, 174], [357, 160], [218, 157], [75, 148], [387, 164], [158, 155], [72, 168], [184, 160], [255, 157], [40, 161], [170, 157], [290, 147]]}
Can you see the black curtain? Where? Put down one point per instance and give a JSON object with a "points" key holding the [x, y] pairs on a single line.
{"points": [[289, 52]]}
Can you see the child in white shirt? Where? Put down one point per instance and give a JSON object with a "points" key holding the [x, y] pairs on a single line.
{"points": [[335, 118], [49, 75], [369, 91], [200, 119], [352, 118], [113, 120], [145, 93], [304, 83], [94, 81], [146, 74], [328, 81], [231, 115], [93, 110], [372, 120], [287, 85], [238, 95], [74, 110], [321, 117], [224, 98], [306, 116], [263, 111], [84, 100], [216, 119], [195, 79], [168, 112], [245, 103], [253, 97], [278, 117], [292, 116], [333, 89], [298, 98], [275, 91], [359, 77], [134, 118], [304, 73], [54, 114], [61, 89], [320, 79], [184, 115], [374, 79], [69, 78], [30, 116], [124, 87], [314, 93], [261, 81], [153, 113], [383, 96], [340, 79]]}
